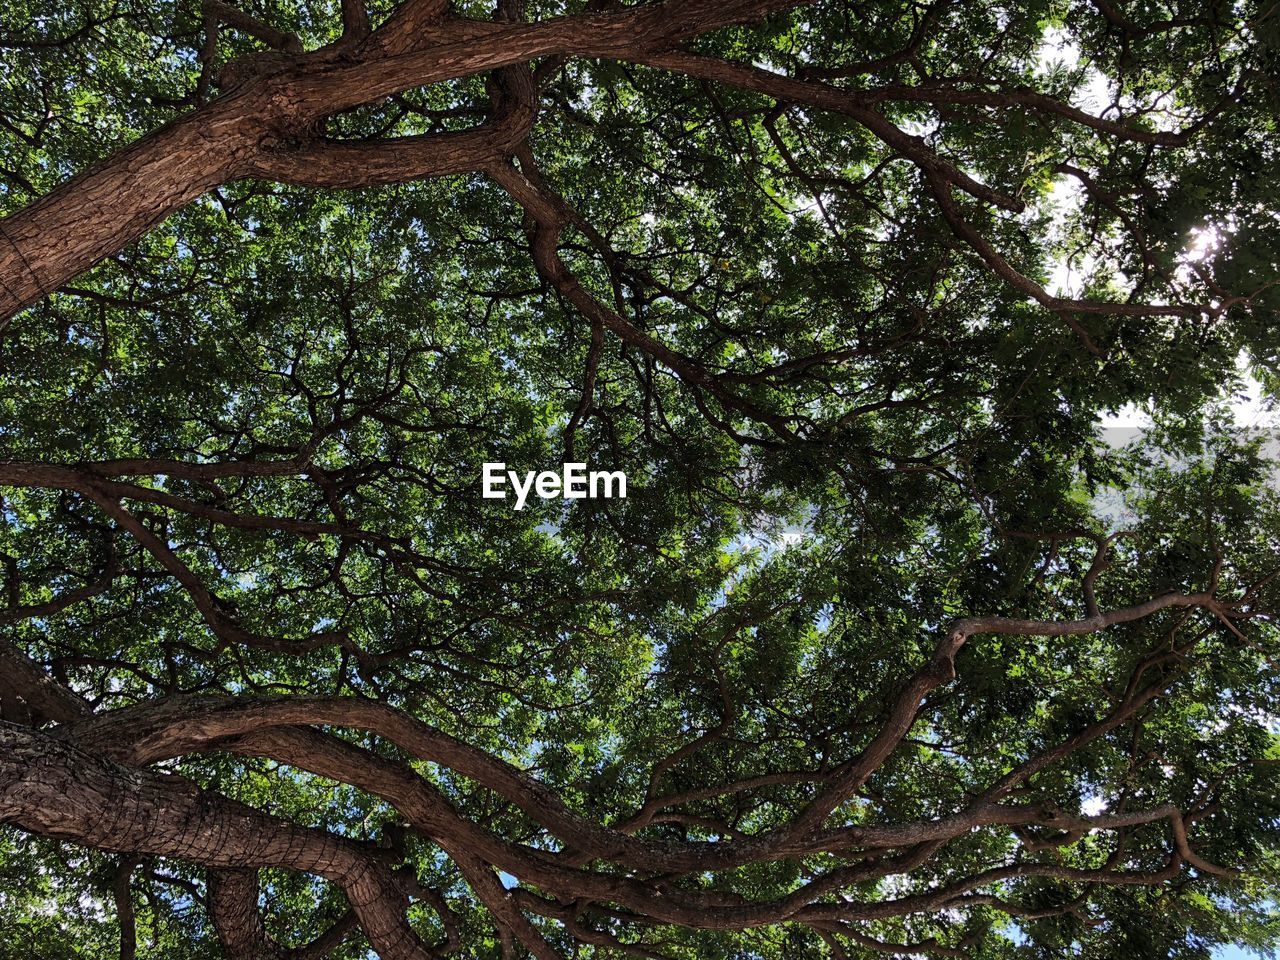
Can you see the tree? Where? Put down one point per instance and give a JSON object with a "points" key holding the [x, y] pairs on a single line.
{"points": [[887, 650]]}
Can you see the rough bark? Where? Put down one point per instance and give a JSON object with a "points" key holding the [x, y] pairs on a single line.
{"points": [[50, 787]]}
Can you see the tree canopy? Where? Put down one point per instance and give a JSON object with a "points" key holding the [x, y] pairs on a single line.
{"points": [[889, 649]]}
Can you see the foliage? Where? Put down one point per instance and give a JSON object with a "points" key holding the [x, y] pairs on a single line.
{"points": [[889, 437]]}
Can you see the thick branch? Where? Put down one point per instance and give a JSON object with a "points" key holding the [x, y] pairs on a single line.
{"points": [[114, 202], [233, 906], [51, 787], [337, 164], [38, 689], [244, 22]]}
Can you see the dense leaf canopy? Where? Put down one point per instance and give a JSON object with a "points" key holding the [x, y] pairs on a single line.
{"points": [[889, 649]]}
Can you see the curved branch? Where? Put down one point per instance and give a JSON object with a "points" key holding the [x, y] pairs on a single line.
{"points": [[338, 164], [51, 787], [114, 202]]}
